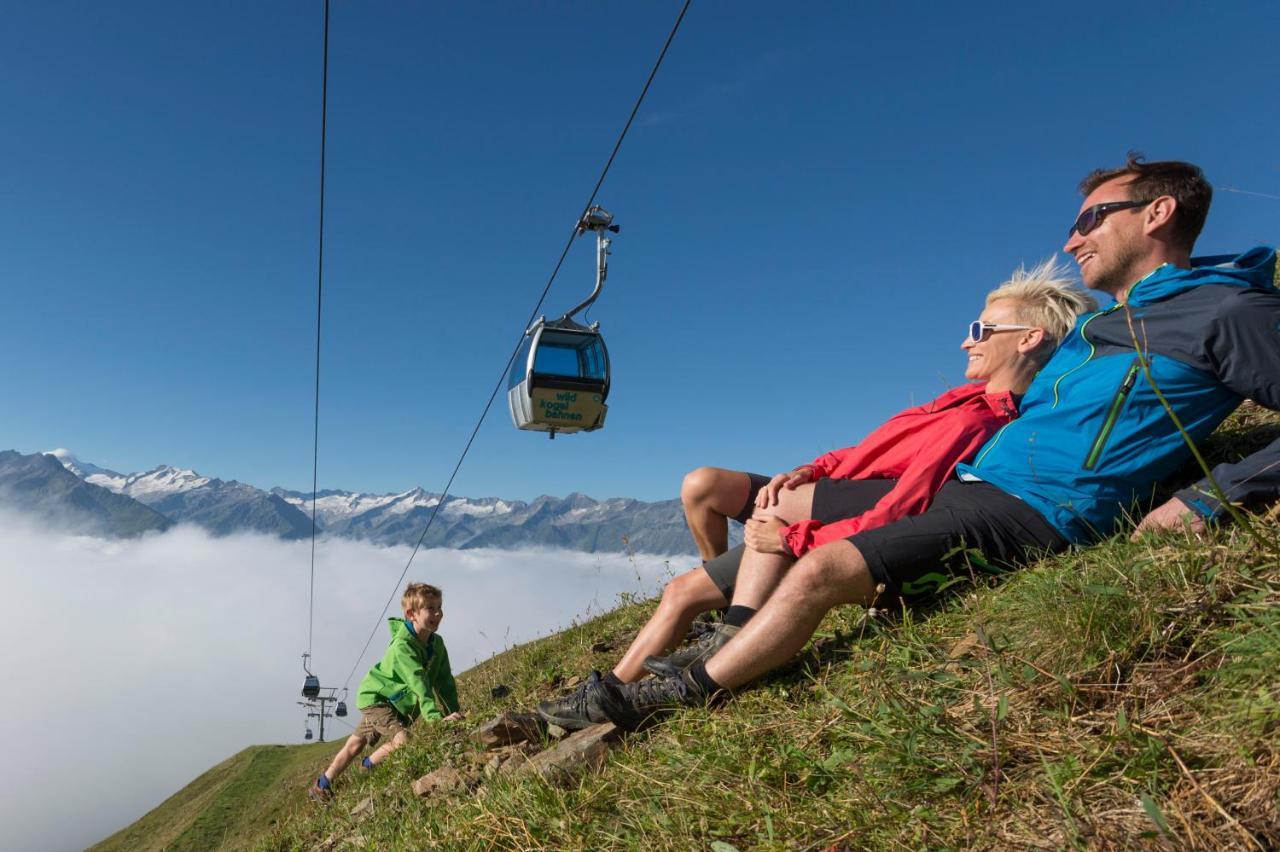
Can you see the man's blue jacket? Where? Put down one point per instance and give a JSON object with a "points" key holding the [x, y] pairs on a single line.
{"points": [[1094, 439]]}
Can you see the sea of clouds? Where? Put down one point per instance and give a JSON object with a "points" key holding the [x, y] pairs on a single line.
{"points": [[130, 667]]}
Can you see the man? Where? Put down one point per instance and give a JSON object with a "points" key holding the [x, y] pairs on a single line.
{"points": [[1093, 441]]}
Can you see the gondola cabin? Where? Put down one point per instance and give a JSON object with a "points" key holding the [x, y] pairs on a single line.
{"points": [[560, 379], [311, 686], [341, 709]]}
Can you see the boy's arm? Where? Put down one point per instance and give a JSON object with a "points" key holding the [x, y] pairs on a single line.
{"points": [[446, 688]]}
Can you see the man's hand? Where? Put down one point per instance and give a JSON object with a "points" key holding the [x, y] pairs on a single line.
{"points": [[768, 495], [454, 716], [763, 534], [1172, 515]]}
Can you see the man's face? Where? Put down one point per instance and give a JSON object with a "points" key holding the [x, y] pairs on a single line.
{"points": [[1108, 256]]}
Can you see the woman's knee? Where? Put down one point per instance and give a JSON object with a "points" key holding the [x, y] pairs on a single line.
{"points": [[698, 485]]}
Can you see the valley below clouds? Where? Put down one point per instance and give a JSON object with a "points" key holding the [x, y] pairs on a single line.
{"points": [[133, 665]]}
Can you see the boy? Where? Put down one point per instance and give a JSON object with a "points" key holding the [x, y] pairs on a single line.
{"points": [[413, 678]]}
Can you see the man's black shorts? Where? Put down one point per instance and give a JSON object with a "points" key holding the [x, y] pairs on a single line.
{"points": [[969, 528], [833, 500]]}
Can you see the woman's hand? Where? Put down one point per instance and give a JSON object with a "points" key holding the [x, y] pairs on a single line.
{"points": [[768, 494], [763, 534]]}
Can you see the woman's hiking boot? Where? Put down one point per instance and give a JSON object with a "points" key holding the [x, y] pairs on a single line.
{"points": [[630, 705], [577, 710], [698, 652]]}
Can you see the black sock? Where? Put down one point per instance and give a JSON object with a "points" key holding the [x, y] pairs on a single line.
{"points": [[698, 672], [612, 678], [736, 616]]}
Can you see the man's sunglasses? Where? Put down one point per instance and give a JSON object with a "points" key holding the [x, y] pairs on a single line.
{"points": [[1090, 219], [980, 331]]}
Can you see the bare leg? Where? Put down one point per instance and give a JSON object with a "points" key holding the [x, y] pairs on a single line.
{"points": [[760, 572], [712, 495], [683, 598], [398, 740], [831, 575], [345, 755]]}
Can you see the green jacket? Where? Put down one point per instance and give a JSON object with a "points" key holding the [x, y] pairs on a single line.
{"points": [[412, 677]]}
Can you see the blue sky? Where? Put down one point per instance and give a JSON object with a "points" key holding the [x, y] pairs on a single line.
{"points": [[813, 202]]}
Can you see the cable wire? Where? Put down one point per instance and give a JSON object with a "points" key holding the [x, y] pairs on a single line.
{"points": [[502, 375], [315, 438]]}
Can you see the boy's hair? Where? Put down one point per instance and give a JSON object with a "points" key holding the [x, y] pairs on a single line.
{"points": [[1183, 181], [416, 594], [1046, 297]]}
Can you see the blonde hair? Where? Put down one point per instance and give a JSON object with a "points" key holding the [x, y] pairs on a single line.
{"points": [[1047, 297], [416, 594]]}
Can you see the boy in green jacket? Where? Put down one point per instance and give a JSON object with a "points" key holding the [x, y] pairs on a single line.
{"points": [[412, 679]]}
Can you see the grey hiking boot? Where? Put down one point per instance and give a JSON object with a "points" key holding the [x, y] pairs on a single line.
{"points": [[577, 710], [632, 704], [697, 652]]}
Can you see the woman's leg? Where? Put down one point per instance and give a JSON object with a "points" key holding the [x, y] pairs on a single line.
{"points": [[712, 495], [683, 599], [760, 572]]}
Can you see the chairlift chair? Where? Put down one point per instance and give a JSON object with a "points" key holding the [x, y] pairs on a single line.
{"points": [[560, 377], [310, 686]]}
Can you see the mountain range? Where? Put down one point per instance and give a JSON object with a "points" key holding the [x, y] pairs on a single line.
{"points": [[100, 501]]}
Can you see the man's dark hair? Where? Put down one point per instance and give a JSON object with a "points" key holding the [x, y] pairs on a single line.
{"points": [[1185, 182]]}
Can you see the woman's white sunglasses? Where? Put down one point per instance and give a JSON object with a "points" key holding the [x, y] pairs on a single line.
{"points": [[980, 331]]}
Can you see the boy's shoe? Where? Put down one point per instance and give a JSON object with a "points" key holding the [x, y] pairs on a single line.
{"points": [[698, 652], [632, 704], [316, 793], [577, 710]]}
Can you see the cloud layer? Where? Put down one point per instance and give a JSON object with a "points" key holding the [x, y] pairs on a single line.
{"points": [[131, 667]]}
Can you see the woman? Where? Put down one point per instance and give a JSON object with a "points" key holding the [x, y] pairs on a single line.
{"points": [[894, 472]]}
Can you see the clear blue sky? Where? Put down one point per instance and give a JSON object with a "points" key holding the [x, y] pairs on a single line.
{"points": [[812, 202]]}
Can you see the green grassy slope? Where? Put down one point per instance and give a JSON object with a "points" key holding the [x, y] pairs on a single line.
{"points": [[228, 807], [1121, 696]]}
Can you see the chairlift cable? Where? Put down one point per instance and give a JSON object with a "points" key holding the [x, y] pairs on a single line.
{"points": [[515, 351], [315, 443]]}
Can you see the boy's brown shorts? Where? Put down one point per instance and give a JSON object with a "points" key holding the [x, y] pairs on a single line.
{"points": [[378, 721]]}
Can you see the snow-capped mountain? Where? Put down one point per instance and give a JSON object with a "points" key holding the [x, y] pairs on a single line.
{"points": [[576, 522], [42, 486], [184, 495]]}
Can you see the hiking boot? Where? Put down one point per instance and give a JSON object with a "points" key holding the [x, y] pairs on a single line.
{"points": [[577, 710], [316, 793], [632, 704], [698, 652]]}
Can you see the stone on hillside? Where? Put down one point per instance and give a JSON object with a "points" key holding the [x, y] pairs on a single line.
{"points": [[573, 681], [500, 691], [446, 779], [364, 809], [556, 732], [583, 751], [509, 728], [601, 647]]}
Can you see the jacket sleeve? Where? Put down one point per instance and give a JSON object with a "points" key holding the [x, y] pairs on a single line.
{"points": [[827, 462], [446, 688], [1244, 347], [932, 466]]}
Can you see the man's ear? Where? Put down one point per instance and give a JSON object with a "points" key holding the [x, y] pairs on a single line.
{"points": [[1159, 214]]}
